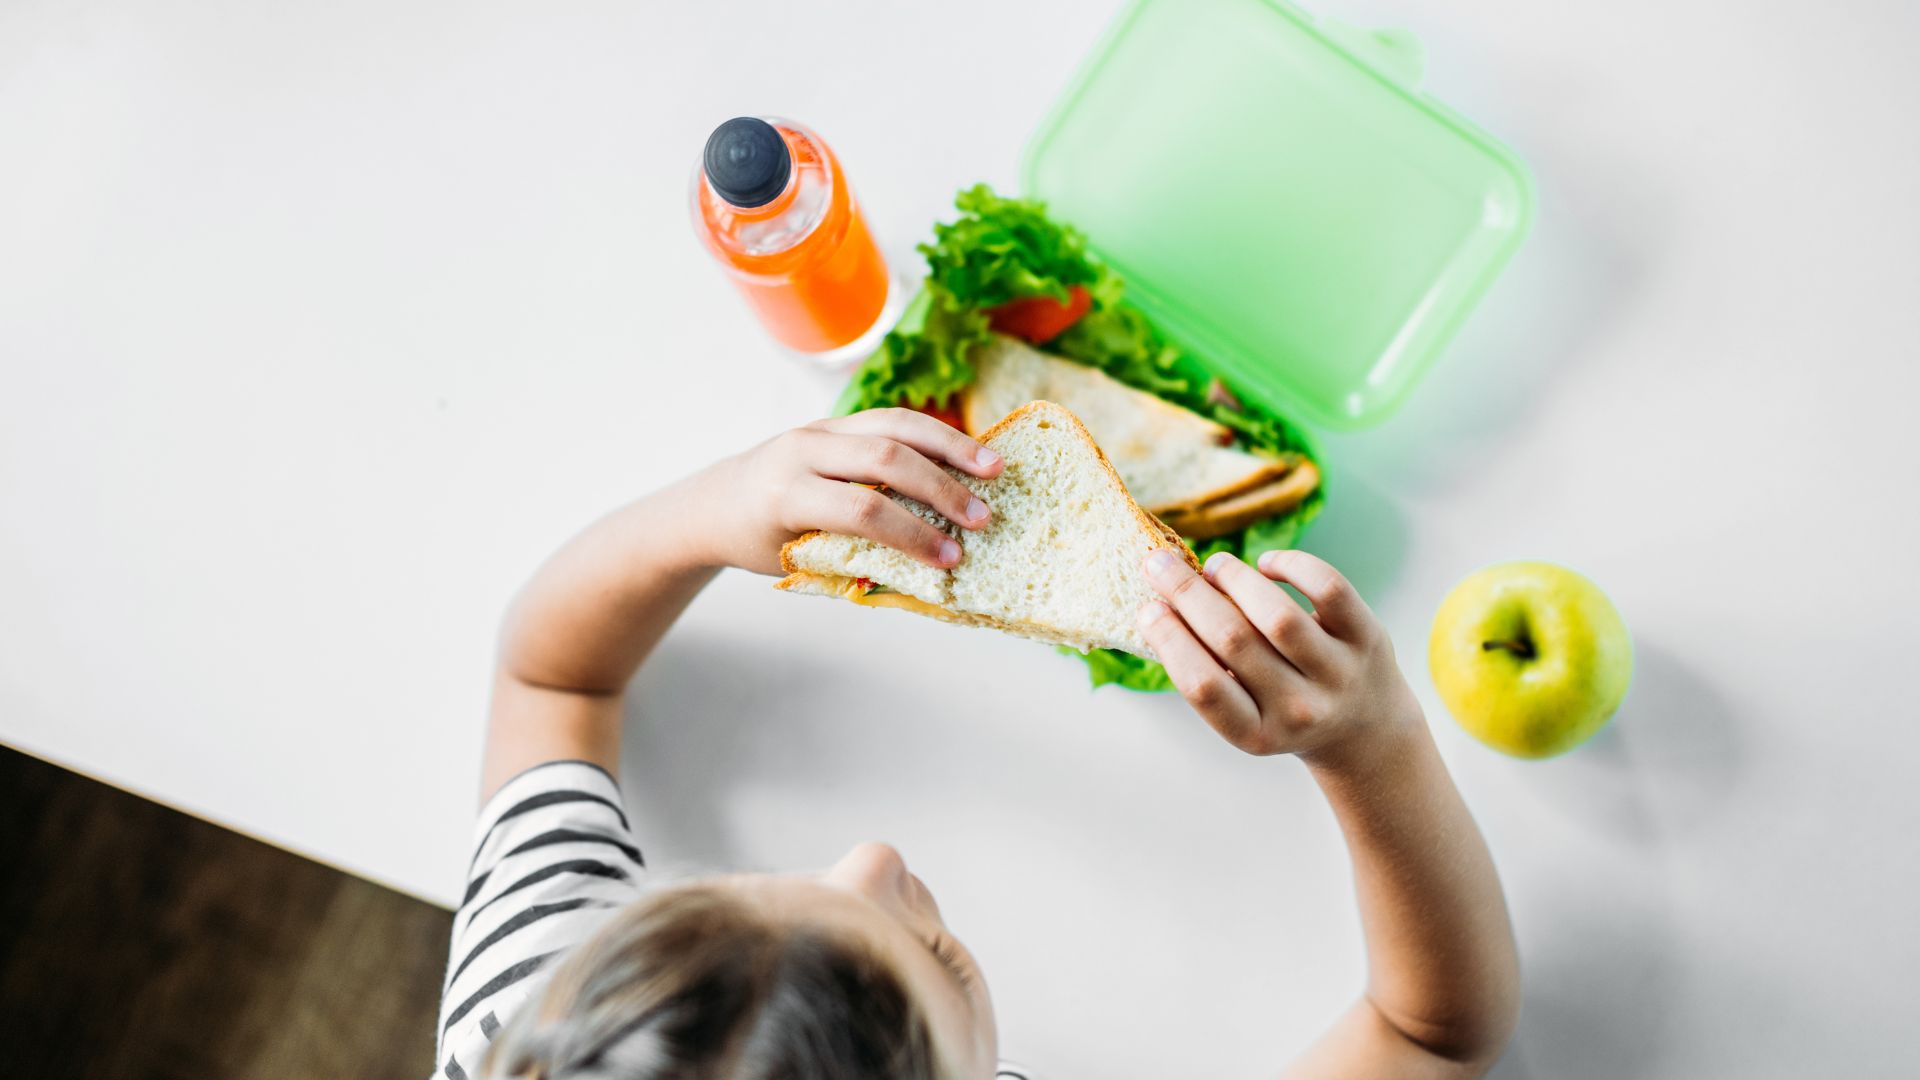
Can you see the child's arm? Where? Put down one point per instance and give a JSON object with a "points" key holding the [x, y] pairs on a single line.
{"points": [[590, 616], [1443, 986]]}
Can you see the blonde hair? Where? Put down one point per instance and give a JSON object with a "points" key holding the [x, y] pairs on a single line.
{"points": [[692, 983]]}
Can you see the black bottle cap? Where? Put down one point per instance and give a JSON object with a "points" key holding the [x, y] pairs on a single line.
{"points": [[747, 162]]}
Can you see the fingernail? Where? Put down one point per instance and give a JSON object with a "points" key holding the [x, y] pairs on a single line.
{"points": [[976, 510], [1267, 559], [949, 552], [1158, 562], [1152, 612], [1214, 563], [985, 458]]}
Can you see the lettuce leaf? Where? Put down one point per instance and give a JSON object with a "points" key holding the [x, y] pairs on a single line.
{"points": [[923, 360], [1111, 666], [999, 250], [1003, 249]]}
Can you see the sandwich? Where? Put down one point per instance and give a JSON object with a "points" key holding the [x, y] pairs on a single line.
{"points": [[1177, 464], [1015, 308], [1059, 562]]}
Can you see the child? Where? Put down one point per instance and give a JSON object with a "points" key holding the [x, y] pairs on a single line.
{"points": [[564, 967]]}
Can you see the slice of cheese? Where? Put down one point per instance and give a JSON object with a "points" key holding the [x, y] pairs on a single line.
{"points": [[899, 600], [846, 588]]}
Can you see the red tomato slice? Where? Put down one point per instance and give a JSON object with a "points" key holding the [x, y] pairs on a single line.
{"points": [[1040, 319], [947, 411]]}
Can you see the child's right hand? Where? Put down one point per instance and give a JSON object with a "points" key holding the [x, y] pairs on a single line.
{"points": [[808, 478], [1270, 676]]}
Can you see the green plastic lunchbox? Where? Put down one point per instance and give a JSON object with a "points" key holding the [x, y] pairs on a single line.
{"points": [[1281, 198]]}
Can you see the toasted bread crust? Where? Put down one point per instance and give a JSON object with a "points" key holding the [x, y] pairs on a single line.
{"points": [[1276, 469], [1173, 537], [787, 564], [1158, 532], [1147, 521], [974, 419], [1228, 515], [832, 588], [1007, 366]]}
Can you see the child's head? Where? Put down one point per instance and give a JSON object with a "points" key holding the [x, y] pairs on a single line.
{"points": [[847, 974]]}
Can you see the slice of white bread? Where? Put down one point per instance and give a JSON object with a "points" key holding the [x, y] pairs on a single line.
{"points": [[1171, 458], [1058, 562]]}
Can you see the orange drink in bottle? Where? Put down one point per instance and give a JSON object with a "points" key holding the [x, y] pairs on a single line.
{"points": [[771, 204]]}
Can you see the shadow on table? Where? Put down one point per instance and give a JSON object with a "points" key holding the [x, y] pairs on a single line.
{"points": [[1674, 748], [1362, 532], [1603, 995], [690, 719], [1601, 985], [1599, 991], [707, 714]]}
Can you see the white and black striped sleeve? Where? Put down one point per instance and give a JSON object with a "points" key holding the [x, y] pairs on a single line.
{"points": [[553, 856]]}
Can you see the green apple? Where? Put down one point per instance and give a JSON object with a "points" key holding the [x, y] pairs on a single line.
{"points": [[1531, 658]]}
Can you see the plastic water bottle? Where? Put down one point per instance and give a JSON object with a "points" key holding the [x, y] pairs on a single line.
{"points": [[770, 202]]}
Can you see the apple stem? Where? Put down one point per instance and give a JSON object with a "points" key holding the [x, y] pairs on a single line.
{"points": [[1519, 648]]}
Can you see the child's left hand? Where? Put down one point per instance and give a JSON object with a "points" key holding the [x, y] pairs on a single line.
{"points": [[1269, 675], [809, 477]]}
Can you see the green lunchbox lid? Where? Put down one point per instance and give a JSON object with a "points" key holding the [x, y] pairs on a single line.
{"points": [[1281, 198]]}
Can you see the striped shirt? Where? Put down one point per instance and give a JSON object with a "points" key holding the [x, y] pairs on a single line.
{"points": [[553, 858]]}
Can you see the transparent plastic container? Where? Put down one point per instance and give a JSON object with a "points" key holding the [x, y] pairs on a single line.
{"points": [[803, 259], [1282, 198]]}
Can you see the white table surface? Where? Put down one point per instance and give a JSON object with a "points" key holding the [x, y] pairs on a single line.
{"points": [[321, 324]]}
